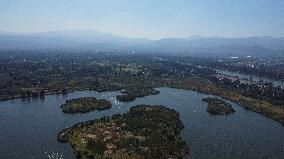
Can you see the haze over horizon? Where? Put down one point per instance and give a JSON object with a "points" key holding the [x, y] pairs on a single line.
{"points": [[147, 19], [192, 37]]}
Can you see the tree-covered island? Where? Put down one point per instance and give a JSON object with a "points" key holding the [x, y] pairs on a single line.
{"points": [[144, 132], [84, 105], [130, 94], [217, 106]]}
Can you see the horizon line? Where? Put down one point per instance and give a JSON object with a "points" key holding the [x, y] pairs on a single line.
{"points": [[148, 38]]}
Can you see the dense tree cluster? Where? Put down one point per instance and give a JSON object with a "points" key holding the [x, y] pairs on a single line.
{"points": [[143, 132], [258, 90], [31, 74]]}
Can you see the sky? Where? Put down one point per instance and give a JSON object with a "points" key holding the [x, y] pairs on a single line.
{"points": [[153, 19]]}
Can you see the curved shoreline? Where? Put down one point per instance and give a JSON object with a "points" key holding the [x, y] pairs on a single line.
{"points": [[262, 107], [85, 105], [138, 133]]}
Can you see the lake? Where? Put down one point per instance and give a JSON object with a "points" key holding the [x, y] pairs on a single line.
{"points": [[29, 127]]}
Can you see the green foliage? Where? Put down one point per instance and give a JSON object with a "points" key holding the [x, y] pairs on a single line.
{"points": [[84, 105], [217, 106], [144, 132]]}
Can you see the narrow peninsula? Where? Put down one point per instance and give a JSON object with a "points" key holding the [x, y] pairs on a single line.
{"points": [[144, 132]]}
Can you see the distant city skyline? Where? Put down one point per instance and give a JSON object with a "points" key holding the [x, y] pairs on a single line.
{"points": [[147, 19]]}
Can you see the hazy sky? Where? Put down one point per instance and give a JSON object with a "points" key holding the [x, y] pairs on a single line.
{"points": [[147, 18]]}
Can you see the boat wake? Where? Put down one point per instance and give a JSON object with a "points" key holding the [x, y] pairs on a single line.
{"points": [[53, 155]]}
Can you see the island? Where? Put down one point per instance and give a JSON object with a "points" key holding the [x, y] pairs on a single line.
{"points": [[84, 105], [125, 97], [131, 93], [143, 132], [217, 106], [30, 78]]}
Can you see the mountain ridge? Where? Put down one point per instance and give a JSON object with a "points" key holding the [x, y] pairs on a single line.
{"points": [[93, 40]]}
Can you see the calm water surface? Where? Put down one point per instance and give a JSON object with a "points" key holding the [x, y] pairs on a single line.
{"points": [[29, 127], [254, 78]]}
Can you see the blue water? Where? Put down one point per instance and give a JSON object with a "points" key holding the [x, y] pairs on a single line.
{"points": [[29, 127]]}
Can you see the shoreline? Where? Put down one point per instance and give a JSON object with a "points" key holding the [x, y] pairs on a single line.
{"points": [[39, 96], [261, 107]]}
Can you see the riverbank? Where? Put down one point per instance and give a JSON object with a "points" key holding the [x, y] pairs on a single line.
{"points": [[3, 98], [249, 77], [205, 86]]}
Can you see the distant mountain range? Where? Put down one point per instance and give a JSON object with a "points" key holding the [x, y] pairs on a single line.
{"points": [[93, 40]]}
